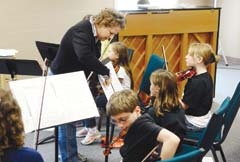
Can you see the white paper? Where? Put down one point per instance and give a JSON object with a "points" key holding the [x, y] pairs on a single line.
{"points": [[8, 52], [115, 84], [67, 98]]}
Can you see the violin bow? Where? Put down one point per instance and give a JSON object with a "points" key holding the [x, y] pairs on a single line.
{"points": [[150, 153], [164, 56], [45, 70]]}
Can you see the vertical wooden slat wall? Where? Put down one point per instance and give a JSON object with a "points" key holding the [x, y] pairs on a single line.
{"points": [[147, 31]]}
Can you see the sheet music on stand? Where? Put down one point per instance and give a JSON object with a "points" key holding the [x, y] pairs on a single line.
{"points": [[67, 99], [8, 52], [115, 83]]}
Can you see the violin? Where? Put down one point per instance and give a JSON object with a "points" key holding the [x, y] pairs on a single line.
{"points": [[107, 150], [182, 75], [146, 100], [186, 74]]}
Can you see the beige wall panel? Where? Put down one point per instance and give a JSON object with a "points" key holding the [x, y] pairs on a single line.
{"points": [[25, 21]]}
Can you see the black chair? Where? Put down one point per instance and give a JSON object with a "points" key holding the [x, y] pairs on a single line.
{"points": [[192, 156], [228, 120], [229, 113], [192, 137], [155, 62], [130, 54], [207, 138]]}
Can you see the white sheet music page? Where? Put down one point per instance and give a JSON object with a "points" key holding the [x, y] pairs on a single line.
{"points": [[67, 98], [8, 52], [115, 83]]}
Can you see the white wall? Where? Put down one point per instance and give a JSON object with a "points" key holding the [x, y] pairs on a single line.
{"points": [[25, 21], [230, 28]]}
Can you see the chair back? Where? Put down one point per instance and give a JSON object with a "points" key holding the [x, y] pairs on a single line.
{"points": [[192, 156], [47, 50], [210, 133], [202, 139], [231, 112], [130, 54], [155, 62], [192, 137], [224, 106]]}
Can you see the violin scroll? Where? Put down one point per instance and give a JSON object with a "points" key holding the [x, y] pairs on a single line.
{"points": [[107, 150]]}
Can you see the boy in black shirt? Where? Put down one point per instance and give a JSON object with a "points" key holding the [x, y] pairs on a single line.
{"points": [[143, 134]]}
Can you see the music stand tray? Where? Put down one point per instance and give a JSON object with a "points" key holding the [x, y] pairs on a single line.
{"points": [[20, 67], [47, 50]]}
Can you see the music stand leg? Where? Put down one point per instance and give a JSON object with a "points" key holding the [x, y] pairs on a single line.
{"points": [[107, 135], [47, 140], [56, 143]]}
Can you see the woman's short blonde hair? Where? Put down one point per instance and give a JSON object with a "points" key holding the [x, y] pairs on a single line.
{"points": [[110, 18]]}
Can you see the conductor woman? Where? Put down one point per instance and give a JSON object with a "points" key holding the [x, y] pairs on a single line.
{"points": [[80, 50]]}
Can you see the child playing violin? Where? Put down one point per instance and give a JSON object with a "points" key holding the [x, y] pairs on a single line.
{"points": [[198, 91], [142, 133], [165, 108], [118, 55]]}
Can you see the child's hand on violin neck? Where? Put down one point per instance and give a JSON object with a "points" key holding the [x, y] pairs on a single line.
{"points": [[107, 81]]}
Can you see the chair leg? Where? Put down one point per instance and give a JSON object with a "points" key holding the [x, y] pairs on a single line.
{"points": [[214, 154], [101, 117], [107, 135], [222, 154], [112, 132], [100, 122]]}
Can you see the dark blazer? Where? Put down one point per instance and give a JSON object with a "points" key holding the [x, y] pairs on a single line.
{"points": [[79, 51]]}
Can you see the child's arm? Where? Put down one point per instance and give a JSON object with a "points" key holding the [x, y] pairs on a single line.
{"points": [[170, 143], [182, 104]]}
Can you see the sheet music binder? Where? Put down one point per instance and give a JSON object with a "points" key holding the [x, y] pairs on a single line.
{"points": [[115, 83]]}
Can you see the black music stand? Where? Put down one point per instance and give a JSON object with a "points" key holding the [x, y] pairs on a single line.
{"points": [[47, 50], [20, 67]]}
